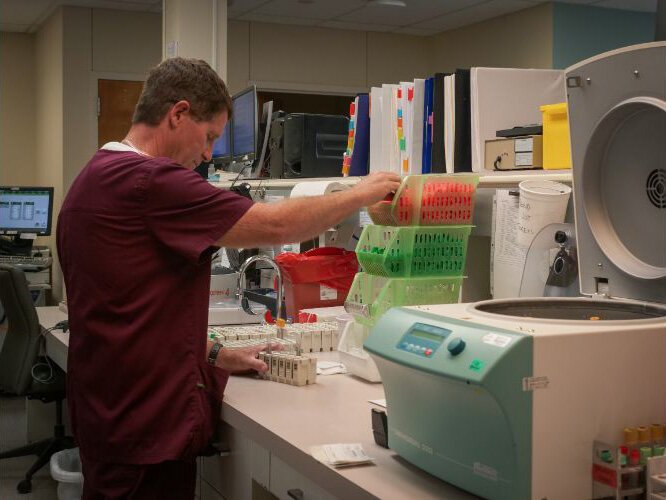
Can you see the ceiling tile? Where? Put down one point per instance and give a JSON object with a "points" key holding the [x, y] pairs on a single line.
{"points": [[237, 7], [343, 25], [409, 30], [417, 11], [260, 18], [639, 5], [22, 12], [473, 14], [318, 9]]}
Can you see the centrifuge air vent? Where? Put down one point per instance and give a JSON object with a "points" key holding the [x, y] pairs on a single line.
{"points": [[656, 187]]}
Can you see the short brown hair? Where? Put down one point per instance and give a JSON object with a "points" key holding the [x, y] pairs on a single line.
{"points": [[178, 79]]}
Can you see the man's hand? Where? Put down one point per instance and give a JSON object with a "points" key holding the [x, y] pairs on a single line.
{"points": [[376, 186], [244, 359]]}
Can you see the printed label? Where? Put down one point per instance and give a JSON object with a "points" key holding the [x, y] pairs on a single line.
{"points": [[523, 145], [496, 339], [327, 293], [532, 383], [524, 159], [485, 471], [604, 475]]}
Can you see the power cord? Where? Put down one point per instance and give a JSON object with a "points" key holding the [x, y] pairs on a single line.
{"points": [[47, 375]]}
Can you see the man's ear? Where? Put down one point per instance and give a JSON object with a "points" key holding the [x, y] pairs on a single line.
{"points": [[177, 113]]}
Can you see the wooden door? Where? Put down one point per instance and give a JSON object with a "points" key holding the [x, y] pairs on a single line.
{"points": [[117, 99]]}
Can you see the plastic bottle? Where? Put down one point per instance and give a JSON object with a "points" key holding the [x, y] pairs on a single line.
{"points": [[211, 171]]}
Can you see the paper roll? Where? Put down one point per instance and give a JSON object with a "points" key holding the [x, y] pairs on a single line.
{"points": [[342, 233], [316, 188]]}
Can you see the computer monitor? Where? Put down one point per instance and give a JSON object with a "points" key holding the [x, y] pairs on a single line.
{"points": [[24, 210], [222, 147], [244, 137]]}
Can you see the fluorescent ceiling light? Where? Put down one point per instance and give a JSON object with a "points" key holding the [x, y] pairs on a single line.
{"points": [[391, 3]]}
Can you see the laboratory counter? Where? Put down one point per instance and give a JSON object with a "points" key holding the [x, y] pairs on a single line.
{"points": [[285, 421]]}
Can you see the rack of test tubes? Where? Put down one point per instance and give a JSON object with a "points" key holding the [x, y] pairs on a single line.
{"points": [[289, 368], [302, 337], [634, 470]]}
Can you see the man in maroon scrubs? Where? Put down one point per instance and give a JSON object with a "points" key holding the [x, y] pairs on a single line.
{"points": [[135, 236]]}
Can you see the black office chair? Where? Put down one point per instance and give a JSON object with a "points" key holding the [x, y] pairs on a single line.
{"points": [[24, 370]]}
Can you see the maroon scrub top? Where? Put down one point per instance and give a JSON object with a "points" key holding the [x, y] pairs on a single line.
{"points": [[135, 235]]}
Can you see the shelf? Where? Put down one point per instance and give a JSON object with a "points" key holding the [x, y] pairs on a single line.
{"points": [[486, 180]]}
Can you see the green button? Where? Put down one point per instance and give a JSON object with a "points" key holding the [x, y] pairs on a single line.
{"points": [[477, 365]]}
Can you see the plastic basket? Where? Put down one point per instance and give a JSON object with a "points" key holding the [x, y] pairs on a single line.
{"points": [[429, 200], [401, 252], [371, 296], [66, 469]]}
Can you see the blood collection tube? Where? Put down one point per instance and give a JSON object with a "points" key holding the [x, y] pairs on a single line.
{"points": [[631, 438], [644, 437], [657, 433]]}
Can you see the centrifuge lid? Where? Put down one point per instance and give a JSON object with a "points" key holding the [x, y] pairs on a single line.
{"points": [[617, 119]]}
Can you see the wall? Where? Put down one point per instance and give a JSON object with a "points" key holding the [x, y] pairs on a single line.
{"points": [[125, 42], [48, 134], [17, 109], [523, 39], [303, 58], [581, 31]]}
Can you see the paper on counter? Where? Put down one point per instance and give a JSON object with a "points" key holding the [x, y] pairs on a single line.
{"points": [[341, 455], [330, 367]]}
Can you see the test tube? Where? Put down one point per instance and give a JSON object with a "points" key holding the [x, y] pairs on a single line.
{"points": [[657, 433], [644, 437], [631, 438]]}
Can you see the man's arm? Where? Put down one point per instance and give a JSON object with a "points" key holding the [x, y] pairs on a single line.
{"points": [[299, 219]]}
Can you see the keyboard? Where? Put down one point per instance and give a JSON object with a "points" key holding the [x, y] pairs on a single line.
{"points": [[26, 262]]}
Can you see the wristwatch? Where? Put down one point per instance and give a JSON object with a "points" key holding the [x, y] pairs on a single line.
{"points": [[214, 351]]}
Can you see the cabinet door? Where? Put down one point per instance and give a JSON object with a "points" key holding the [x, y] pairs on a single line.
{"points": [[285, 478], [231, 475]]}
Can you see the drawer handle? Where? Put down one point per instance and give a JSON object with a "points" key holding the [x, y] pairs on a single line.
{"points": [[296, 494]]}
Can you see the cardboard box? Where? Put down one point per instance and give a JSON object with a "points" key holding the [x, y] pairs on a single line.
{"points": [[514, 153]]}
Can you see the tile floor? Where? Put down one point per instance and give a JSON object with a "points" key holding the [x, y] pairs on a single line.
{"points": [[12, 435]]}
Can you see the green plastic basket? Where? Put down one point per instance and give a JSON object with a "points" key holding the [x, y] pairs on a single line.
{"points": [[371, 296], [402, 252]]}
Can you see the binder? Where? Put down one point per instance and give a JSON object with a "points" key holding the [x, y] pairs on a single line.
{"points": [[438, 162], [462, 155], [361, 151], [376, 144], [427, 126], [416, 142]]}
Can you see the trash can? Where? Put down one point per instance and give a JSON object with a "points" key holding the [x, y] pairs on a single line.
{"points": [[317, 278], [66, 469]]}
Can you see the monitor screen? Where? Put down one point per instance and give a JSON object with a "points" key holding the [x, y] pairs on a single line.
{"points": [[244, 140], [26, 210], [222, 146]]}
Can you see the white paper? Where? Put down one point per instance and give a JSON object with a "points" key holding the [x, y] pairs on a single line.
{"points": [[449, 122], [508, 258], [376, 129], [416, 128], [330, 368], [340, 455], [378, 402]]}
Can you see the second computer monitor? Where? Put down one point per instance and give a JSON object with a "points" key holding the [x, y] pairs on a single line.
{"points": [[244, 137], [222, 146]]}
